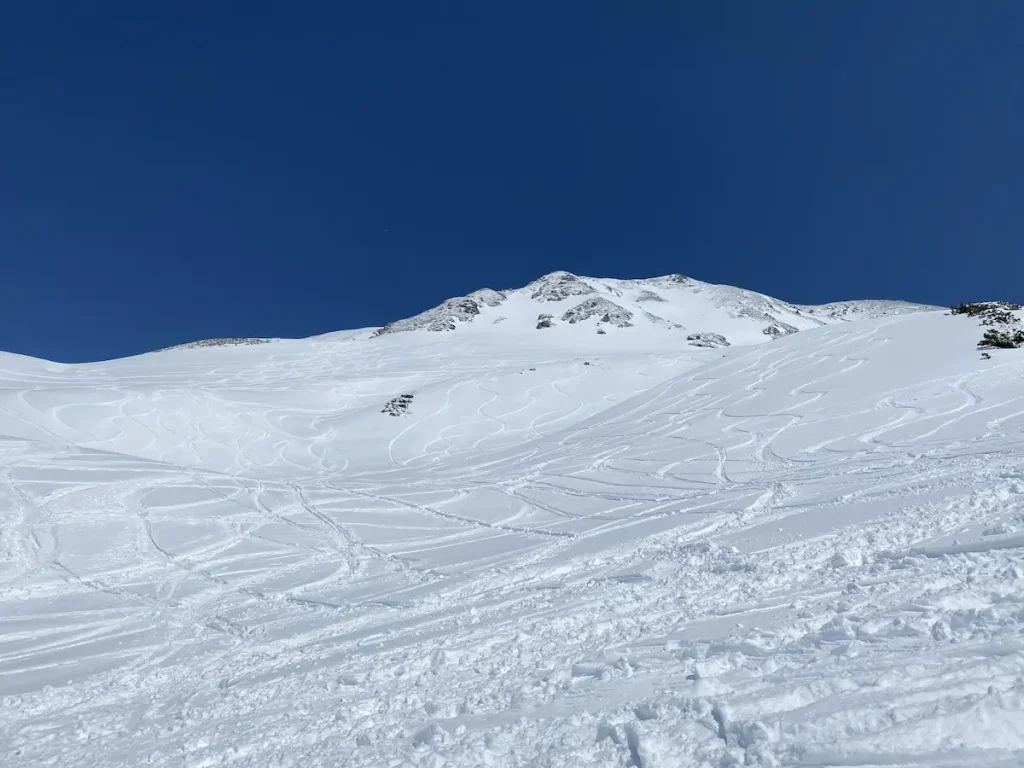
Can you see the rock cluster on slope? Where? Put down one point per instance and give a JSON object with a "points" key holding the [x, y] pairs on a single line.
{"points": [[558, 286], [608, 311], [396, 406], [713, 340], [446, 315], [745, 317], [224, 342], [656, 320], [648, 296], [778, 329], [488, 297], [863, 309], [1002, 320], [441, 318]]}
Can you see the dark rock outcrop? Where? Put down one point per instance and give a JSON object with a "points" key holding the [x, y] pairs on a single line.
{"points": [[606, 312], [558, 286], [711, 340], [224, 342], [396, 406]]}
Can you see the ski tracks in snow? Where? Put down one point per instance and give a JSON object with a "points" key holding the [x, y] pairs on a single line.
{"points": [[789, 555]]}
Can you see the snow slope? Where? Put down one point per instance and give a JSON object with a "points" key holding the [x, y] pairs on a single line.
{"points": [[569, 550], [662, 310]]}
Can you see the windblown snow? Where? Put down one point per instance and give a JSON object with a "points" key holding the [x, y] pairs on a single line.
{"points": [[555, 548]]}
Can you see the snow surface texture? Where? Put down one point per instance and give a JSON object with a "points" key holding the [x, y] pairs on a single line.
{"points": [[567, 550]]}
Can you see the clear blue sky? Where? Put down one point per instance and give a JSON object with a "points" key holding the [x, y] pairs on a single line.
{"points": [[180, 170]]}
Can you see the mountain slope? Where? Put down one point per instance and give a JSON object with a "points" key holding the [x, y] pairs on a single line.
{"points": [[674, 307], [562, 551]]}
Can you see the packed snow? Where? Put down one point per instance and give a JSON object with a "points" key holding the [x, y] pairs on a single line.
{"points": [[552, 548]]}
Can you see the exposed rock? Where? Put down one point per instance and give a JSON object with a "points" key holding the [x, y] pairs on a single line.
{"points": [[396, 406], [990, 312], [648, 296], [1007, 339], [662, 321], [1004, 325], [678, 298], [712, 340], [863, 309], [545, 321], [778, 329], [225, 342], [558, 286], [763, 315], [489, 297], [608, 312], [441, 318]]}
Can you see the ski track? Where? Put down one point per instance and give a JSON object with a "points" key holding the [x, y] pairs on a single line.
{"points": [[800, 553]]}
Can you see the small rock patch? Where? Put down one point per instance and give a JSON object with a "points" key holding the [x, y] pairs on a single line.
{"points": [[396, 406]]}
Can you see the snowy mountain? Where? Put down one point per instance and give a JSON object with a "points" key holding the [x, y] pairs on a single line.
{"points": [[502, 545], [675, 307]]}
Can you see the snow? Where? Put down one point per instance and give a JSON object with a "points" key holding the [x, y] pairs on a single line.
{"points": [[683, 307], [569, 549]]}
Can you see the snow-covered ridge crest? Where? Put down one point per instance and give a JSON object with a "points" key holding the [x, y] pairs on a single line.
{"points": [[683, 305], [865, 309]]}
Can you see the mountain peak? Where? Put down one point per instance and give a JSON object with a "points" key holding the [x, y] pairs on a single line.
{"points": [[557, 286], [692, 310]]}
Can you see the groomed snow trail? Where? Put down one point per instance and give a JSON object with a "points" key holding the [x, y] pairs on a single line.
{"points": [[566, 553]]}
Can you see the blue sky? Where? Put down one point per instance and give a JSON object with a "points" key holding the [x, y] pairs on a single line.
{"points": [[174, 171]]}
